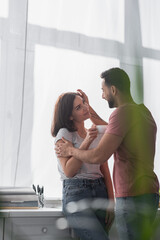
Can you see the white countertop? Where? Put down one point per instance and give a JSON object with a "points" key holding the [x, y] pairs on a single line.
{"points": [[40, 212]]}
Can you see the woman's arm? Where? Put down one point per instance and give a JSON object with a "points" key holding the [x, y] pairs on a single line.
{"points": [[72, 165], [107, 179], [108, 182]]}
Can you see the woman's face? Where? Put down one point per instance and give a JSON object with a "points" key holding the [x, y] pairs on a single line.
{"points": [[80, 110]]}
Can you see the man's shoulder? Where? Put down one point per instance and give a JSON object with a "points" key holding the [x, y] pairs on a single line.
{"points": [[130, 107], [121, 110], [125, 113]]}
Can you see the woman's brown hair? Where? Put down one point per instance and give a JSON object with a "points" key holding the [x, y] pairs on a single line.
{"points": [[62, 113]]}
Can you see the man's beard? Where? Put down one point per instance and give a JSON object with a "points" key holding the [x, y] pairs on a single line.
{"points": [[111, 102]]}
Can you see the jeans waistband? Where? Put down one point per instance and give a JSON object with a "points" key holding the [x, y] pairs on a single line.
{"points": [[83, 181]]}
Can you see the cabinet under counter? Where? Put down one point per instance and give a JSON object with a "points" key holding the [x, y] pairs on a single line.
{"points": [[33, 224]]}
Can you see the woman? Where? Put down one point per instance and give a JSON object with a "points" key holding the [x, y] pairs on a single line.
{"points": [[84, 185]]}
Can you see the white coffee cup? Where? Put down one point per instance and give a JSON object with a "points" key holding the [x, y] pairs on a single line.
{"points": [[101, 128]]}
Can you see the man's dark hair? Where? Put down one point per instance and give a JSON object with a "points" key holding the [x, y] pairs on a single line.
{"points": [[118, 78]]}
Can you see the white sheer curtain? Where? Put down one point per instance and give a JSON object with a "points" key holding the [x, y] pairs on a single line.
{"points": [[52, 46]]}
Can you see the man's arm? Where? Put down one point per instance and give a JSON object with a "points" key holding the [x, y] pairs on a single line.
{"points": [[106, 147], [94, 117]]}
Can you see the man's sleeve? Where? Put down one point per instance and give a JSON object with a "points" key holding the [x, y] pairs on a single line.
{"points": [[120, 121]]}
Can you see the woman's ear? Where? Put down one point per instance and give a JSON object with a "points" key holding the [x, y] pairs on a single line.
{"points": [[71, 118]]}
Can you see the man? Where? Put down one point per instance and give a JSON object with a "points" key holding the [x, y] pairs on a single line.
{"points": [[130, 135]]}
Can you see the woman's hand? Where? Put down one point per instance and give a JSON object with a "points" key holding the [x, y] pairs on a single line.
{"points": [[83, 95], [91, 134], [110, 215]]}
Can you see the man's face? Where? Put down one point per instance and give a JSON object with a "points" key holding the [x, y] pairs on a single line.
{"points": [[107, 94]]}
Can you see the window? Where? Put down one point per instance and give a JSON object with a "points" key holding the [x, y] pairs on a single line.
{"points": [[48, 47]]}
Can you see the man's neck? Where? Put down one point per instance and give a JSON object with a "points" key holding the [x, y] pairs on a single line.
{"points": [[124, 101]]}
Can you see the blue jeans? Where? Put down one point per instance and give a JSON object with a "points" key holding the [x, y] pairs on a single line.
{"points": [[135, 216], [84, 205]]}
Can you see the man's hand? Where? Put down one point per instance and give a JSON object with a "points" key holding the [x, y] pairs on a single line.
{"points": [[63, 149], [83, 95]]}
